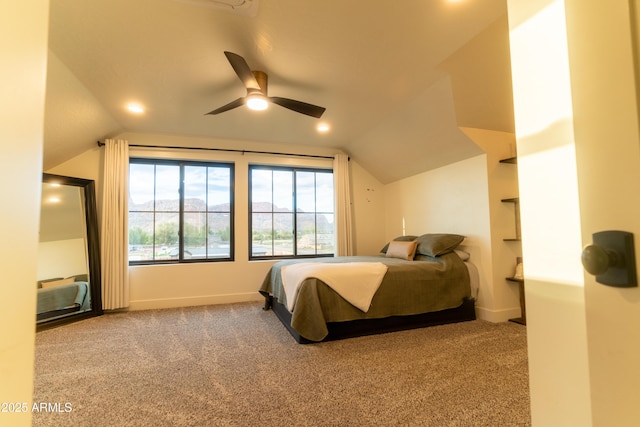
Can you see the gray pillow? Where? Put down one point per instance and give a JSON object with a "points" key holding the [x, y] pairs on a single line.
{"points": [[438, 244], [407, 238]]}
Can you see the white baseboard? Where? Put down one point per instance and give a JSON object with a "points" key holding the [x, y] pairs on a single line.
{"points": [[497, 316], [193, 301], [494, 316]]}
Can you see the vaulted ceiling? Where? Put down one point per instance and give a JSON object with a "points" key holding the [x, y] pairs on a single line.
{"points": [[398, 78]]}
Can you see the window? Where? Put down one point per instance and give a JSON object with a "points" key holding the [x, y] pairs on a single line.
{"points": [[291, 212], [180, 211]]}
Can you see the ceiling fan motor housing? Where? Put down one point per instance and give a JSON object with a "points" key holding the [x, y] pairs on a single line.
{"points": [[262, 79]]}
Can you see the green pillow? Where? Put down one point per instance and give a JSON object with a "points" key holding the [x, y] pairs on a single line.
{"points": [[438, 244]]}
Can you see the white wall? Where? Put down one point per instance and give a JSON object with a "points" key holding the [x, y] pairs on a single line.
{"points": [[502, 299], [450, 199], [23, 48], [368, 211]]}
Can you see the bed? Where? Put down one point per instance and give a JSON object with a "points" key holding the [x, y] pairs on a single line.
{"points": [[60, 297], [426, 281]]}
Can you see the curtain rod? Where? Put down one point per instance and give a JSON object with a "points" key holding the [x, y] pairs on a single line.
{"points": [[228, 150]]}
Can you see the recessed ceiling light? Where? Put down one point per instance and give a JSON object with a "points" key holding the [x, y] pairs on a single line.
{"points": [[135, 108], [322, 127]]}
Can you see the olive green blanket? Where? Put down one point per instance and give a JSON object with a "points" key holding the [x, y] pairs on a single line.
{"points": [[408, 287]]}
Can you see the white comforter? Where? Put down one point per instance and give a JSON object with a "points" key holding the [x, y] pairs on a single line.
{"points": [[356, 282]]}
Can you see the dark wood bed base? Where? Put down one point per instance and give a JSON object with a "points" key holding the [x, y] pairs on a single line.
{"points": [[60, 312], [358, 328]]}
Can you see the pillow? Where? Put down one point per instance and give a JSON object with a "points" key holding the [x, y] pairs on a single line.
{"points": [[438, 244], [399, 239], [53, 283], [40, 282], [402, 250], [462, 254]]}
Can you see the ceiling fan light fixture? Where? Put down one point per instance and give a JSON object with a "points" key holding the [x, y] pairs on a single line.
{"points": [[257, 102]]}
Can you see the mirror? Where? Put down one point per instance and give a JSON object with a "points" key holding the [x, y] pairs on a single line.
{"points": [[68, 277]]}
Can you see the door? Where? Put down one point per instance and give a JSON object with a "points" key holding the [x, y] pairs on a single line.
{"points": [[574, 68], [602, 39]]}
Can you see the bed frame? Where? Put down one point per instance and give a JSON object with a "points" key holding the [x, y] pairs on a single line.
{"points": [[362, 327], [62, 300]]}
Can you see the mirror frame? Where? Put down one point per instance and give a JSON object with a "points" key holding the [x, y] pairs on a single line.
{"points": [[93, 250]]}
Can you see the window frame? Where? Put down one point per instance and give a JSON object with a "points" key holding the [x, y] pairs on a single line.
{"points": [[293, 170], [182, 164]]}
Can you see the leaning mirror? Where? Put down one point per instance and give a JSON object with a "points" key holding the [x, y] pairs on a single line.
{"points": [[68, 277]]}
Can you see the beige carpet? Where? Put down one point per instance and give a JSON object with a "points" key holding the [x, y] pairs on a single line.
{"points": [[236, 365]]}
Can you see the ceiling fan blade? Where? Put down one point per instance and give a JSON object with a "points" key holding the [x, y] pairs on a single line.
{"points": [[243, 71], [299, 106], [230, 106]]}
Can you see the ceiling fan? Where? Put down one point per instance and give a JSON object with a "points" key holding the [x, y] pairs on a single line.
{"points": [[256, 99]]}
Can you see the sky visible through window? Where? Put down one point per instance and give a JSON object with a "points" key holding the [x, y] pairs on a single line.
{"points": [[147, 184]]}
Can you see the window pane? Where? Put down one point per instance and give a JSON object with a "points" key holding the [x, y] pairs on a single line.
{"points": [[141, 187], [306, 234], [195, 234], [325, 238], [140, 236], [306, 223], [219, 239], [195, 188], [305, 191], [261, 190], [324, 192], [166, 235], [283, 242], [261, 234], [283, 191], [219, 189], [324, 224], [167, 188]]}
